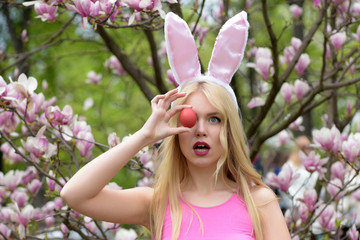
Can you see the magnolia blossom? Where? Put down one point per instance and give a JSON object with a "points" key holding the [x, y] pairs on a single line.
{"points": [[143, 5], [356, 194], [303, 212], [300, 88], [310, 199], [93, 78], [353, 233], [328, 139], [46, 12], [88, 103], [39, 146], [5, 231], [50, 182], [34, 186], [290, 51], [283, 180], [351, 147], [338, 40], [286, 92], [317, 3], [25, 215], [256, 102], [125, 234], [116, 67], [90, 224], [25, 86], [20, 197], [12, 179], [113, 140], [295, 10], [85, 143], [334, 188], [171, 78], [302, 63], [327, 218], [338, 171], [296, 125], [263, 63], [312, 163], [283, 137]]}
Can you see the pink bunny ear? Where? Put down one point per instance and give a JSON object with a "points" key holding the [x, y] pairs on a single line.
{"points": [[181, 49], [229, 48]]}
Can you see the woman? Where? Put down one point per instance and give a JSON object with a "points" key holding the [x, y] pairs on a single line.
{"points": [[205, 186]]}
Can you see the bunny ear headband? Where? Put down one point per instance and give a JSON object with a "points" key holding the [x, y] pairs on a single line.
{"points": [[225, 59]]}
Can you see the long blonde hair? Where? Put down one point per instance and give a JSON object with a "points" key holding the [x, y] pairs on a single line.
{"points": [[234, 163]]}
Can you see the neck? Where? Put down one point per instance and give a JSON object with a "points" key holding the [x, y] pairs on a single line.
{"points": [[203, 181]]}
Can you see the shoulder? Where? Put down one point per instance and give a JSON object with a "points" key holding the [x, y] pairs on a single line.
{"points": [[262, 195]]}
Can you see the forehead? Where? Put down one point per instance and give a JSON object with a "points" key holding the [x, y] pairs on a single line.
{"points": [[200, 103]]}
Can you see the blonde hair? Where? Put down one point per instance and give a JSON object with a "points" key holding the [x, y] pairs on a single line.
{"points": [[234, 163]]}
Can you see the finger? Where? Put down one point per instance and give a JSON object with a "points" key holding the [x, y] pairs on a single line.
{"points": [[177, 109], [172, 97], [178, 130]]}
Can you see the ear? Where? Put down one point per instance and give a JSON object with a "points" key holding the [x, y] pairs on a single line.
{"points": [[229, 48], [181, 49]]}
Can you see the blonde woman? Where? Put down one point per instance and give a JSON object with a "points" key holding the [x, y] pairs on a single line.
{"points": [[205, 186]]}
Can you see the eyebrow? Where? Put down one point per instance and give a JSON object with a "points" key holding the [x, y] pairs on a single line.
{"points": [[213, 113]]}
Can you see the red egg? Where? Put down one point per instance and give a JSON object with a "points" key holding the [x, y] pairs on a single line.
{"points": [[188, 117]]}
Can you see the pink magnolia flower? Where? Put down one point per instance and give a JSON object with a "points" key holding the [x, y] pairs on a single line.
{"points": [[296, 125], [46, 12], [338, 171], [34, 186], [126, 234], [286, 92], [327, 218], [300, 88], [283, 137], [25, 86], [19, 197], [12, 179], [296, 11], [88, 103], [334, 188], [302, 63], [113, 140], [171, 78], [353, 233], [116, 67], [49, 221], [39, 146], [303, 212], [25, 215], [64, 229], [85, 8], [317, 3], [338, 40], [50, 182], [351, 147], [89, 224], [56, 116], [5, 231], [8, 121], [312, 163], [9, 153], [29, 175], [256, 102], [310, 199], [143, 5], [328, 139], [283, 180], [93, 78], [348, 107], [85, 143], [263, 63]]}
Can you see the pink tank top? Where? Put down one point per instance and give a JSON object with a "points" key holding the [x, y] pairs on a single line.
{"points": [[230, 221]]}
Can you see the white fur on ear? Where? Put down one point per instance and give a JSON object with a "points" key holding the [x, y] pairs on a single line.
{"points": [[181, 49], [229, 48]]}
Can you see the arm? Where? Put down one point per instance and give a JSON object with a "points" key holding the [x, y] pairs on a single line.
{"points": [[85, 191], [272, 220]]}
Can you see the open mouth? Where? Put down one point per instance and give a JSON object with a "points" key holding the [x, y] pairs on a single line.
{"points": [[201, 148]]}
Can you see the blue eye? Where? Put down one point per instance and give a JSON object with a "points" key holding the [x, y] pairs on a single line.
{"points": [[214, 120]]}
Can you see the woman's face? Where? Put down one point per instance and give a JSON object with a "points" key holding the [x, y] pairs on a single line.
{"points": [[201, 146]]}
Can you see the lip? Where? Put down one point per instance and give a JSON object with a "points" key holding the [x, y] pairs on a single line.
{"points": [[201, 152]]}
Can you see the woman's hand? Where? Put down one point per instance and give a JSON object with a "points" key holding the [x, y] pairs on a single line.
{"points": [[157, 126]]}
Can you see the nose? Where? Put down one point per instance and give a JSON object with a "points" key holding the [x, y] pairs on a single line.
{"points": [[200, 128]]}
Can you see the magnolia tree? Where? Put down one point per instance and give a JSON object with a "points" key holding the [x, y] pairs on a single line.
{"points": [[297, 72]]}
